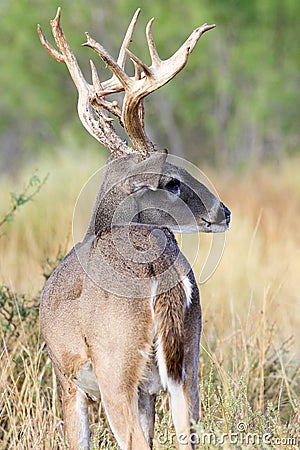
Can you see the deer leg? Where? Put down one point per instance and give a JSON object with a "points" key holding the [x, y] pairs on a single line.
{"points": [[146, 405], [191, 393], [191, 360], [76, 421], [180, 413], [122, 415], [184, 399], [118, 382]]}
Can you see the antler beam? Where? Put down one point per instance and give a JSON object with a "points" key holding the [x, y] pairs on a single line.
{"points": [[93, 108]]}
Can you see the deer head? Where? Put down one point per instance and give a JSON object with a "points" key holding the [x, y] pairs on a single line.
{"points": [[139, 184]]}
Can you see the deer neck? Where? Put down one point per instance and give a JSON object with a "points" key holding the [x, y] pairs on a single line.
{"points": [[113, 208]]}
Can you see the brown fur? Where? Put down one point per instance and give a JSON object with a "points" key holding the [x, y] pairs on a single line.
{"points": [[72, 363], [169, 312]]}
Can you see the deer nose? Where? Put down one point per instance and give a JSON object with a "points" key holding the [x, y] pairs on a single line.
{"points": [[227, 213]]}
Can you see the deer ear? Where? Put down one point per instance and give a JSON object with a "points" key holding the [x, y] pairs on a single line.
{"points": [[145, 174]]}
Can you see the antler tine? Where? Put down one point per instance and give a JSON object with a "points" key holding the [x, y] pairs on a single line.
{"points": [[68, 56], [127, 39], [119, 78], [49, 47], [194, 37], [151, 44], [95, 77], [137, 61], [137, 71], [109, 61], [164, 71], [155, 59]]}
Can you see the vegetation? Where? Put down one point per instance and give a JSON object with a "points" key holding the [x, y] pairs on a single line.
{"points": [[249, 357], [17, 200]]}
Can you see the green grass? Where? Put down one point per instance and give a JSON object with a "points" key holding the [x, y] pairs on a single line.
{"points": [[249, 360]]}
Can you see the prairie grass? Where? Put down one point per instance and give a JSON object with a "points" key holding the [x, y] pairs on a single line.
{"points": [[249, 361]]}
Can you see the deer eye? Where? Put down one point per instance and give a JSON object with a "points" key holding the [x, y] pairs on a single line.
{"points": [[173, 186]]}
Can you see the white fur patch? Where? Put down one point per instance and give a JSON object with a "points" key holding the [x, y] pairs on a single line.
{"points": [[120, 443], [159, 351], [162, 367], [83, 419], [188, 289], [180, 410], [153, 295]]}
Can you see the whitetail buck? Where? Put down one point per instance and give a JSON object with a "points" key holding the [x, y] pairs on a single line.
{"points": [[121, 314]]}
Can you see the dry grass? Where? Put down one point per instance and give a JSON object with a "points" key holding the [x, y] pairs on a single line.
{"points": [[250, 355]]}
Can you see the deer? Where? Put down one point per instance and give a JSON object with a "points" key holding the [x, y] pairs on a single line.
{"points": [[121, 314]]}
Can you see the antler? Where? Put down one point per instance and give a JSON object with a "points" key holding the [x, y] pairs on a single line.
{"points": [[93, 114], [93, 108]]}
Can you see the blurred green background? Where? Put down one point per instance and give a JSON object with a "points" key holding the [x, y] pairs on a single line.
{"points": [[237, 101]]}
